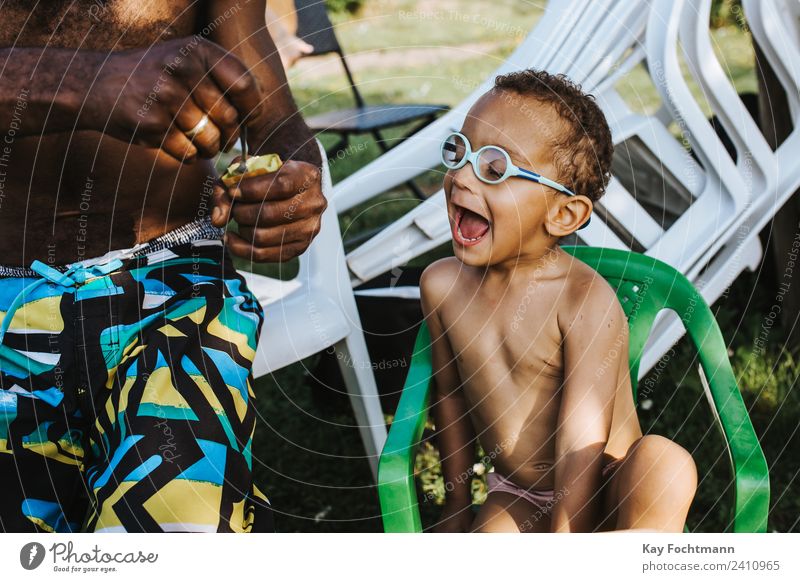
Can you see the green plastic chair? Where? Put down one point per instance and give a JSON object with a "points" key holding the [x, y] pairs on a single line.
{"points": [[644, 287]]}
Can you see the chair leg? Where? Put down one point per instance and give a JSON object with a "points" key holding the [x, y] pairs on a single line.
{"points": [[340, 146], [381, 141], [356, 370]]}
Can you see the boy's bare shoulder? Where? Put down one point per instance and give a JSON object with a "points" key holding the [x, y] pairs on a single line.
{"points": [[590, 302], [438, 278]]}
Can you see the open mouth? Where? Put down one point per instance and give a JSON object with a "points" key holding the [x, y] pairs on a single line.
{"points": [[469, 227]]}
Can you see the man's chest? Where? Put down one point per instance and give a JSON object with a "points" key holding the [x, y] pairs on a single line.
{"points": [[95, 24]]}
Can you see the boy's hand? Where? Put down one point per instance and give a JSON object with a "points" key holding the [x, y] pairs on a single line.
{"points": [[454, 520]]}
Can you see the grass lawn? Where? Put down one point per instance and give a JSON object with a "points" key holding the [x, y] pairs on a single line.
{"points": [[308, 457]]}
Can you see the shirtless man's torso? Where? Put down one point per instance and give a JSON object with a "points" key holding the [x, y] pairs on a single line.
{"points": [[69, 195]]}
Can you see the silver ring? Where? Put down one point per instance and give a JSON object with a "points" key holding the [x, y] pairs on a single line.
{"points": [[197, 129]]}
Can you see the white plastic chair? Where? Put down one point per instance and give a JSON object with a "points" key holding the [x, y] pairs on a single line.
{"points": [[775, 25], [566, 25], [711, 253], [718, 191], [686, 245], [724, 196], [738, 246], [317, 310], [598, 39], [773, 177], [755, 159]]}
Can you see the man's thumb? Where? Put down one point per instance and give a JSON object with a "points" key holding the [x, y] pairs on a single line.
{"points": [[221, 214]]}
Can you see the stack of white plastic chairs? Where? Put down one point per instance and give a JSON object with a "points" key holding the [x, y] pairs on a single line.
{"points": [[595, 43]]}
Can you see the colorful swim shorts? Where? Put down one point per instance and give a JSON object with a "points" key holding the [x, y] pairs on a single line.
{"points": [[126, 399]]}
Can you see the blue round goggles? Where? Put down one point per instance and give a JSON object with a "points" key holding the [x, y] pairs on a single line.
{"points": [[491, 164]]}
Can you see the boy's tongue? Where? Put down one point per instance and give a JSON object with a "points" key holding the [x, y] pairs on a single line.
{"points": [[473, 225]]}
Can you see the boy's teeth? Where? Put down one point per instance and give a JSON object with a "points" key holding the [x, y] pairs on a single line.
{"points": [[461, 234], [473, 223]]}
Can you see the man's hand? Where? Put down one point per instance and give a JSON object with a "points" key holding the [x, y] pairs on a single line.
{"points": [[152, 96], [278, 214]]}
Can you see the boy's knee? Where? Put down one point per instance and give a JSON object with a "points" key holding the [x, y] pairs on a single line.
{"points": [[671, 461]]}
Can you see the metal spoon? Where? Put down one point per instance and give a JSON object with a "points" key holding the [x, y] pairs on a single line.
{"points": [[242, 167]]}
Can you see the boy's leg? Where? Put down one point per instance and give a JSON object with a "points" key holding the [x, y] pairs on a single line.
{"points": [[504, 512], [172, 441], [652, 488]]}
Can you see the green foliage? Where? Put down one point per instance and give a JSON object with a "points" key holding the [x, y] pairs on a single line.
{"points": [[347, 6], [727, 13]]}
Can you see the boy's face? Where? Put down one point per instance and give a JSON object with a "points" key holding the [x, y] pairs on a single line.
{"points": [[492, 223]]}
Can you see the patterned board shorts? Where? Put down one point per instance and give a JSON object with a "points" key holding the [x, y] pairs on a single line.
{"points": [[126, 399]]}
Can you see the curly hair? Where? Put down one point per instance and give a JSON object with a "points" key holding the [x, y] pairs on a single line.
{"points": [[583, 152]]}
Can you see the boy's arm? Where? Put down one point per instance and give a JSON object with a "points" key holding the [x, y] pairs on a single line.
{"points": [[595, 345], [454, 431]]}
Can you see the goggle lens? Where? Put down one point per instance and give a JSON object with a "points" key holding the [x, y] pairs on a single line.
{"points": [[492, 165], [454, 150]]}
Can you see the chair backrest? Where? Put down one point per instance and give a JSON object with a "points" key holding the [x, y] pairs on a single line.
{"points": [[644, 287], [557, 30], [774, 26], [314, 27], [754, 158], [664, 65]]}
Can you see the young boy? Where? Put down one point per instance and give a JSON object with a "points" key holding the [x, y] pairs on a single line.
{"points": [[530, 346]]}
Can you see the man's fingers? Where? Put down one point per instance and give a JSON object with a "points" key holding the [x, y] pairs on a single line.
{"points": [[224, 115], [270, 213], [235, 81], [221, 214], [274, 254], [300, 232], [293, 178], [207, 141], [178, 146]]}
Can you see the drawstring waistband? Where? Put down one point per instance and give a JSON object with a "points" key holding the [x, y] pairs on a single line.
{"points": [[200, 229], [75, 275]]}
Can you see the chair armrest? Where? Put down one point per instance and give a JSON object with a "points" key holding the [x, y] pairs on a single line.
{"points": [[396, 487], [751, 490], [667, 288], [751, 474]]}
